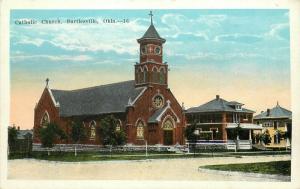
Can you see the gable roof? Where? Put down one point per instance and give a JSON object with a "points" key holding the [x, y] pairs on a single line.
{"points": [[276, 112], [110, 98], [218, 105], [151, 33], [156, 116]]}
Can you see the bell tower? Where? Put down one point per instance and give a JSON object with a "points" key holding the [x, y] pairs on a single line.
{"points": [[151, 70]]}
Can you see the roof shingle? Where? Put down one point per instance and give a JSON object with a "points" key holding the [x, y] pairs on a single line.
{"points": [[96, 100], [276, 112], [218, 105], [151, 33]]}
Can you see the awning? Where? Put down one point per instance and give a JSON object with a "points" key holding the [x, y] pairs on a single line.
{"points": [[244, 126]]}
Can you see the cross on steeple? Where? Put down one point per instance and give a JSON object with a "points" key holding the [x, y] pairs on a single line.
{"points": [[151, 15], [47, 82]]}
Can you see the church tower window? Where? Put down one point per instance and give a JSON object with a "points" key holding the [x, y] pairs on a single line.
{"points": [[145, 74], [162, 76], [140, 75], [155, 74]]}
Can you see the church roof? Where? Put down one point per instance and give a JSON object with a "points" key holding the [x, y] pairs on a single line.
{"points": [[151, 33], [218, 105], [276, 112], [101, 99], [156, 114]]}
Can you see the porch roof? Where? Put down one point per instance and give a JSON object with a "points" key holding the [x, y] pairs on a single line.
{"points": [[244, 126]]}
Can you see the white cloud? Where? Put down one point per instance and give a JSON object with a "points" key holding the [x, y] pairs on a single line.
{"points": [[237, 37], [79, 58], [278, 31], [212, 20]]}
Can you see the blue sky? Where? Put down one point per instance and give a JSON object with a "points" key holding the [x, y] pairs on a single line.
{"points": [[242, 55]]}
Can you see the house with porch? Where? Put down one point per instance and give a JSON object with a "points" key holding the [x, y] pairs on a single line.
{"points": [[223, 122], [277, 122]]}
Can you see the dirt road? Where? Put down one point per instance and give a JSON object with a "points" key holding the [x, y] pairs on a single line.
{"points": [[163, 169]]}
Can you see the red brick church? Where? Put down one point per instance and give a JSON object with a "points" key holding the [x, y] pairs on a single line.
{"points": [[145, 107]]}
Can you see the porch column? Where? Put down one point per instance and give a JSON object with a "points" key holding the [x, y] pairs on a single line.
{"points": [[224, 132], [250, 137]]}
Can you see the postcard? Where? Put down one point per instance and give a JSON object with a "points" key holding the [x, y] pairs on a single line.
{"points": [[173, 96]]}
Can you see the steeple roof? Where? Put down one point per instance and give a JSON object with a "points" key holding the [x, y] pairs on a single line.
{"points": [[151, 33]]}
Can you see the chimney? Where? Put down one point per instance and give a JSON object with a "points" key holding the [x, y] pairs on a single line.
{"points": [[268, 112], [217, 97], [18, 128]]}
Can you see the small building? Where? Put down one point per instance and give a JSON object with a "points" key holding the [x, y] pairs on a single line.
{"points": [[217, 122], [24, 134], [276, 121]]}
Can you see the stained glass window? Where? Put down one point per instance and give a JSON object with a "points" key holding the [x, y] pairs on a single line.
{"points": [[168, 125], [140, 130], [45, 120], [93, 131]]}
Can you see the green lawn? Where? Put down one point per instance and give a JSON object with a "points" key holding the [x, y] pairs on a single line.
{"points": [[94, 156], [274, 167], [103, 156]]}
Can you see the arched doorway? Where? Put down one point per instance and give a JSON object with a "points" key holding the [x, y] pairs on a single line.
{"points": [[168, 126]]}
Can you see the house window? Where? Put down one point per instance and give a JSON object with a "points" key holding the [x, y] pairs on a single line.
{"points": [[275, 125], [214, 133], [93, 130], [140, 130]]}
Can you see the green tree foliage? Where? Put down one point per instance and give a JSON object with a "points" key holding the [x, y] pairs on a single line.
{"points": [[190, 132], [12, 136], [265, 137], [78, 133], [108, 133], [50, 133]]}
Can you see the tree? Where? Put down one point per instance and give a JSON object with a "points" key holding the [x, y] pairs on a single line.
{"points": [[78, 134], [50, 133], [108, 132], [12, 137], [265, 137], [190, 134]]}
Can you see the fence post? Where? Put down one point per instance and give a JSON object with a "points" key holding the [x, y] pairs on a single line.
{"points": [[146, 149]]}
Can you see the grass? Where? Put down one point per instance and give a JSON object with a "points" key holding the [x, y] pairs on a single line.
{"points": [[104, 156], [274, 167]]}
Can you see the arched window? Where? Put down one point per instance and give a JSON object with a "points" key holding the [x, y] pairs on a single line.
{"points": [[140, 75], [155, 74], [140, 130], [145, 74], [92, 130], [162, 76], [119, 124], [45, 119], [168, 124]]}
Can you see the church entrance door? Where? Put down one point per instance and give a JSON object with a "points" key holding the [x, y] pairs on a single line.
{"points": [[168, 137]]}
